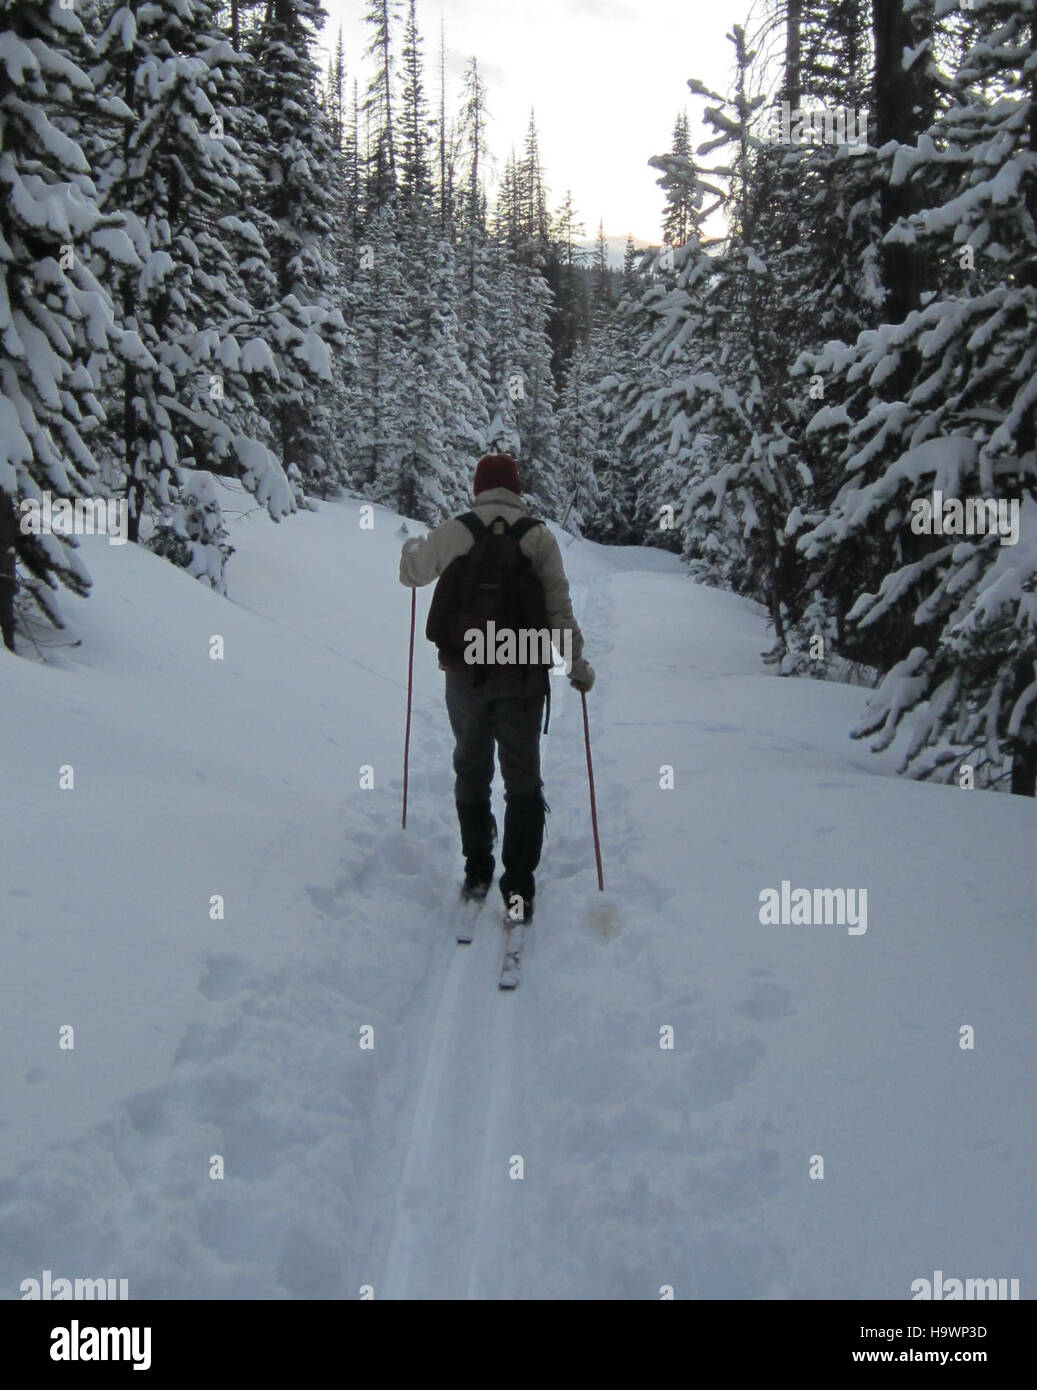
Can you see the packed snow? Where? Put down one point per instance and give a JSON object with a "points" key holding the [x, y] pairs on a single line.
{"points": [[541, 1144]]}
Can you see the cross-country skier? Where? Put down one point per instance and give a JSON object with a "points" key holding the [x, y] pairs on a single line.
{"points": [[495, 704]]}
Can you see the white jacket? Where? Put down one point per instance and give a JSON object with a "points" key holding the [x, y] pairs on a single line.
{"points": [[424, 559]]}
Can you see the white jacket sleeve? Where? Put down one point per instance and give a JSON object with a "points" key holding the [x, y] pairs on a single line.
{"points": [[424, 558], [547, 561]]}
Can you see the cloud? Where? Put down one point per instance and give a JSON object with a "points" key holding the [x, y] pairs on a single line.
{"points": [[599, 9]]}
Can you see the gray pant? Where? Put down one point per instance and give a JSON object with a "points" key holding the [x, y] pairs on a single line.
{"points": [[505, 709]]}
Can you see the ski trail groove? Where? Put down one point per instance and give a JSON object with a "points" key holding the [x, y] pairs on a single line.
{"points": [[491, 1262], [461, 1135], [419, 1165]]}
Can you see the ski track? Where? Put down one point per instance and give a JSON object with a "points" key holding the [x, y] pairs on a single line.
{"points": [[462, 1113], [454, 1152]]}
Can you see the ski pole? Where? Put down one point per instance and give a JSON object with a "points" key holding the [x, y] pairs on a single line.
{"points": [[590, 779], [410, 686]]}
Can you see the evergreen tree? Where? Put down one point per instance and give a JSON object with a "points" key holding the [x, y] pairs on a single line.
{"points": [[532, 199], [708, 398], [603, 299], [56, 316], [187, 398], [569, 323], [382, 16], [296, 206], [532, 391], [381, 317], [679, 217], [447, 147], [944, 401], [416, 139], [580, 434], [474, 117]]}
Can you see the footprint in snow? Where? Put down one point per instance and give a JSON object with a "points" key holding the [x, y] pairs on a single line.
{"points": [[222, 978], [330, 902], [767, 1001]]}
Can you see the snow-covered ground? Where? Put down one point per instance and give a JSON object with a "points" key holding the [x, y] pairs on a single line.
{"points": [[392, 1166]]}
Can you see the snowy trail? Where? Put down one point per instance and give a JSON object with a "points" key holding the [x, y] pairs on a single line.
{"points": [[428, 1149], [446, 1238], [455, 1173], [348, 1167]]}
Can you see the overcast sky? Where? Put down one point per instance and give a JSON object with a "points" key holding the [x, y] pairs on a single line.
{"points": [[606, 78]]}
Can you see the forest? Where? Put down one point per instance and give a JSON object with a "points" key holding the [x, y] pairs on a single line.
{"points": [[224, 256]]}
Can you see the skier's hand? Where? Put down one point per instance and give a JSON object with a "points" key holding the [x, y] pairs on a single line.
{"points": [[582, 676], [408, 576]]}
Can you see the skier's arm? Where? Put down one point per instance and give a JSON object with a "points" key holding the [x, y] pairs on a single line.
{"points": [[560, 616], [424, 558]]}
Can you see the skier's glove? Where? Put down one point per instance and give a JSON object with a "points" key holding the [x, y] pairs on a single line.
{"points": [[581, 677]]}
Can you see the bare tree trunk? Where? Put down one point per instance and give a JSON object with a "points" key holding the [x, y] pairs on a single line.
{"points": [[903, 109], [792, 89], [8, 542]]}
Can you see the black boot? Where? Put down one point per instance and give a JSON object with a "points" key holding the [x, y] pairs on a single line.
{"points": [[523, 841], [478, 835]]}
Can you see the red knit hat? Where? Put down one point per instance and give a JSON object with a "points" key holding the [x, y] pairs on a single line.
{"points": [[496, 470]]}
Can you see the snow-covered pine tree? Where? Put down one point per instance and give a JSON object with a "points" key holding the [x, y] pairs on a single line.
{"points": [[679, 216], [707, 401], [446, 149], [435, 438], [477, 265], [416, 133], [500, 329], [460, 408], [56, 317], [564, 271], [381, 317], [382, 175], [602, 295], [480, 335], [817, 227], [944, 401], [532, 198], [580, 437], [507, 213], [609, 356], [530, 387], [179, 176], [296, 161], [341, 394]]}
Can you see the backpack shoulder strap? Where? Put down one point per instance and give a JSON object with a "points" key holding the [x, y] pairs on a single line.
{"points": [[477, 527], [523, 525]]}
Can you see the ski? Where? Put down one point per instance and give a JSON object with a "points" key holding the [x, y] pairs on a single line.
{"points": [[514, 936], [470, 908]]}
